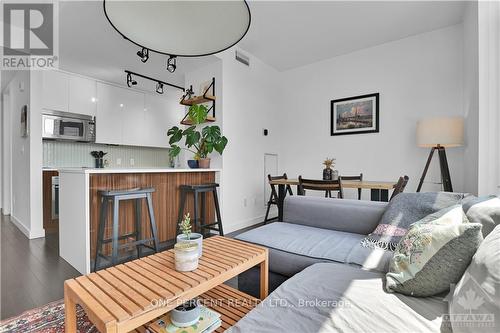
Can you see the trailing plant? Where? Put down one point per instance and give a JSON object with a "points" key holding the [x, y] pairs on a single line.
{"points": [[185, 226], [201, 144]]}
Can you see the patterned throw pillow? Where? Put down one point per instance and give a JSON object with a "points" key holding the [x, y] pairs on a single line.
{"points": [[402, 211], [433, 254]]}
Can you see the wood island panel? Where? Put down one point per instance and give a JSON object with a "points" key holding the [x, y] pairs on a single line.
{"points": [[49, 224], [166, 201]]}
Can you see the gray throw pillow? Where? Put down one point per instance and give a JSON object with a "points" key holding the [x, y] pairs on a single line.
{"points": [[484, 210], [403, 210], [474, 303], [433, 254]]}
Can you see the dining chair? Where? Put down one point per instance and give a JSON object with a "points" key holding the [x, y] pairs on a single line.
{"points": [[321, 185], [358, 178], [400, 186], [273, 199]]}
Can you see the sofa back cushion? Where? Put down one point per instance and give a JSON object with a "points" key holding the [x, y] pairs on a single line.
{"points": [[355, 216], [484, 210]]}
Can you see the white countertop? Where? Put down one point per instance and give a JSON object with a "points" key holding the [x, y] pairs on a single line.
{"points": [[132, 170]]}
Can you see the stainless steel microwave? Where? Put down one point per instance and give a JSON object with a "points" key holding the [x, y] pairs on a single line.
{"points": [[67, 126]]}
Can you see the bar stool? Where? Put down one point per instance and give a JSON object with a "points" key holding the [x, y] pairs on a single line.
{"points": [[199, 221], [114, 197]]}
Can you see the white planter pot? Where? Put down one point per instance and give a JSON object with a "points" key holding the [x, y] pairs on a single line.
{"points": [[193, 237]]}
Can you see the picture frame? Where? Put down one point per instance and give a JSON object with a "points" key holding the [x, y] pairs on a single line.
{"points": [[355, 115]]}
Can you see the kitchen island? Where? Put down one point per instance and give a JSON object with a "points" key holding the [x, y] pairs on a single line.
{"points": [[80, 204]]}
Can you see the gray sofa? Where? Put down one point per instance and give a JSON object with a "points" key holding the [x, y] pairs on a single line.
{"points": [[316, 230], [325, 281]]}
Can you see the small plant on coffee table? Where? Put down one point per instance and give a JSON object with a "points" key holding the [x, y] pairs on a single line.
{"points": [[185, 226]]}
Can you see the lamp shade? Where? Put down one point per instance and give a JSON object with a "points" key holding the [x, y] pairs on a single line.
{"points": [[444, 131]]}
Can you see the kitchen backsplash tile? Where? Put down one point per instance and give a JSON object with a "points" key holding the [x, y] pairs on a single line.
{"points": [[74, 154]]}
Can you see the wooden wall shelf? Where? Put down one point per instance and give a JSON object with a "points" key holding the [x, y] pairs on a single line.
{"points": [[205, 98], [188, 122], [197, 100]]}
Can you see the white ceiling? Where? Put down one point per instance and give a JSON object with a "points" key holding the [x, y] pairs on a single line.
{"points": [[288, 34], [284, 34], [90, 46]]}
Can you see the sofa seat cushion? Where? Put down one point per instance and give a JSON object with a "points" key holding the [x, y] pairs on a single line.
{"points": [[332, 297], [293, 247]]}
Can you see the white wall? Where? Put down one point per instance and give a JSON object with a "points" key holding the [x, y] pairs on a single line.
{"points": [[471, 96], [20, 152], [489, 97], [251, 102], [417, 77]]}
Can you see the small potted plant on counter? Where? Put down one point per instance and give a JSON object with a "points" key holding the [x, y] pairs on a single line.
{"points": [[201, 144], [188, 236]]}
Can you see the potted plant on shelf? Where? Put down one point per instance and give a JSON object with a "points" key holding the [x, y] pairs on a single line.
{"points": [[328, 173], [188, 236], [201, 144]]}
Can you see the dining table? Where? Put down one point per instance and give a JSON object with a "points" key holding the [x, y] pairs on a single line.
{"points": [[379, 190]]}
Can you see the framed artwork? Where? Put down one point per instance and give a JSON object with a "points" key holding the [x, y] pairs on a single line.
{"points": [[355, 115]]}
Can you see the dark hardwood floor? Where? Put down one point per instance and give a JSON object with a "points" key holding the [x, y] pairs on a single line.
{"points": [[32, 273]]}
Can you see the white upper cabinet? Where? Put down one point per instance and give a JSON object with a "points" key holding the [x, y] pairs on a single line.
{"points": [[135, 129], [161, 113], [109, 115], [55, 90], [82, 95]]}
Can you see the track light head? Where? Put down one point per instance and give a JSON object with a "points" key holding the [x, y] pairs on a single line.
{"points": [[159, 88], [130, 82], [171, 63], [143, 54]]}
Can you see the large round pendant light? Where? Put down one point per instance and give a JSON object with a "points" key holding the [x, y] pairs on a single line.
{"points": [[180, 28]]}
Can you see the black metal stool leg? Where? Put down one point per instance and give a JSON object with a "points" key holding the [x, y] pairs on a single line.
{"points": [[116, 225], [267, 211], [217, 212], [100, 231], [152, 222], [203, 213], [196, 221], [138, 226]]}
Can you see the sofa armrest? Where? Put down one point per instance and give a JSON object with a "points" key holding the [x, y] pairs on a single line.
{"points": [[356, 216]]}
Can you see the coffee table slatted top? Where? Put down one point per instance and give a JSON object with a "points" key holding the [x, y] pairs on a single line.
{"points": [[126, 296]]}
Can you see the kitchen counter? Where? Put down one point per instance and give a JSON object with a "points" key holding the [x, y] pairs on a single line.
{"points": [[132, 170], [80, 205]]}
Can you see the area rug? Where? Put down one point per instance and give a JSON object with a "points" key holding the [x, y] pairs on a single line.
{"points": [[46, 319]]}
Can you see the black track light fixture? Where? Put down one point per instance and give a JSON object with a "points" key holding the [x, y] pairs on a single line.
{"points": [[130, 82], [171, 63], [159, 88], [143, 54]]}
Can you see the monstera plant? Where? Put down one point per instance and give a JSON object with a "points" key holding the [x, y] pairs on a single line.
{"points": [[201, 144]]}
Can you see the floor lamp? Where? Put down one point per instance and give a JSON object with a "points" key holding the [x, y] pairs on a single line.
{"points": [[439, 134]]}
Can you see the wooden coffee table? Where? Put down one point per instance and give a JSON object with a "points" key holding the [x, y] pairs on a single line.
{"points": [[125, 297]]}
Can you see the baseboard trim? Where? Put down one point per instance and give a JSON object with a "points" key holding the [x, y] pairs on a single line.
{"points": [[31, 234], [244, 224], [20, 226]]}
